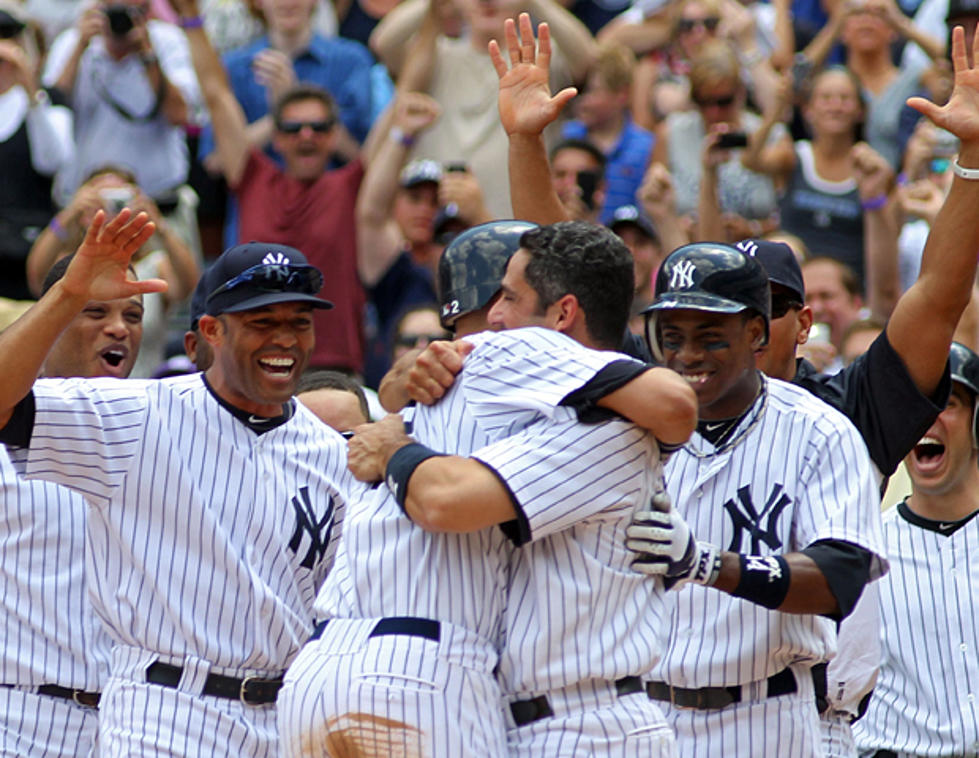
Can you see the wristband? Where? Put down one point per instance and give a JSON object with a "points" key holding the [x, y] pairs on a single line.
{"points": [[57, 229], [402, 465], [397, 134], [149, 59], [902, 180], [972, 174], [878, 202], [191, 22], [707, 566], [764, 580]]}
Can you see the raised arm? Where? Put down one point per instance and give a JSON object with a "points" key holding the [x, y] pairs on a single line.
{"points": [[776, 160], [99, 271], [948, 264], [227, 117], [526, 108], [875, 178], [389, 40]]}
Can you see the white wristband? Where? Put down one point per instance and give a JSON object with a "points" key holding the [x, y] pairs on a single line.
{"points": [[972, 174]]}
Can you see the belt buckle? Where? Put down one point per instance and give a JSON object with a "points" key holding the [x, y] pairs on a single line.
{"points": [[244, 686]]}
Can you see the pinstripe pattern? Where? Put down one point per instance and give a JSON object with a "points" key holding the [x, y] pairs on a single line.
{"points": [[163, 464], [924, 703], [455, 578], [793, 458], [48, 633]]}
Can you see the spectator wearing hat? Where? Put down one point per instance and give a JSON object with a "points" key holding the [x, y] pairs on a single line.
{"points": [[602, 118], [635, 229]]}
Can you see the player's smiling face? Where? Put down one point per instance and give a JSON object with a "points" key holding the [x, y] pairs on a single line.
{"points": [[259, 355], [943, 458], [102, 340], [714, 352]]}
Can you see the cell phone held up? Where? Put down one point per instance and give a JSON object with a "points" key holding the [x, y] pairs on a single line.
{"points": [[731, 141], [588, 183]]}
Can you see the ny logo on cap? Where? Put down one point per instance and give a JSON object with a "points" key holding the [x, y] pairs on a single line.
{"points": [[275, 259], [747, 246], [682, 275]]}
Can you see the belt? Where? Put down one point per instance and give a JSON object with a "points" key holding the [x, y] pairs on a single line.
{"points": [[709, 698], [87, 699], [884, 754], [528, 711], [410, 626], [251, 690]]}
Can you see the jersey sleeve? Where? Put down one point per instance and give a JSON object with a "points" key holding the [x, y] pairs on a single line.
{"points": [[86, 434], [560, 472], [512, 377], [839, 493], [881, 399]]}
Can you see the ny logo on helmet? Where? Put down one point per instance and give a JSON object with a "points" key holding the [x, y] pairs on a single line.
{"points": [[682, 275]]}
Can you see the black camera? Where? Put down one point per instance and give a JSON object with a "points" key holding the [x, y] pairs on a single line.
{"points": [[120, 19], [10, 27]]}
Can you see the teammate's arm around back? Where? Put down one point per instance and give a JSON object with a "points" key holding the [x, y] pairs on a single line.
{"points": [[99, 271]]}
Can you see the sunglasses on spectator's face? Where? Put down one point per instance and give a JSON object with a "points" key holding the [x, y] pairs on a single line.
{"points": [[412, 340], [724, 101], [689, 24], [294, 127], [782, 304]]}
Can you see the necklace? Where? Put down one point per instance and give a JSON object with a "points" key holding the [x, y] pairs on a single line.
{"points": [[758, 410]]}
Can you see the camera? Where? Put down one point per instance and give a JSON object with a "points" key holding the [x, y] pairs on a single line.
{"points": [[731, 140], [114, 199], [588, 183], [120, 19]]}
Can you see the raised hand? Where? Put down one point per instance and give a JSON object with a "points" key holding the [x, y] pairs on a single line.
{"points": [[415, 112], [372, 445], [273, 70], [526, 105], [960, 115], [871, 170], [100, 268]]}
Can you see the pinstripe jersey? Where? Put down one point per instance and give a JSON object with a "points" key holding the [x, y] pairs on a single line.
{"points": [[794, 471], [576, 610], [206, 539], [926, 701], [48, 632], [511, 380]]}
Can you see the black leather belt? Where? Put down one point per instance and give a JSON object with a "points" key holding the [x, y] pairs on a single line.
{"points": [[528, 711], [709, 698], [884, 754], [88, 699], [251, 690], [410, 626]]}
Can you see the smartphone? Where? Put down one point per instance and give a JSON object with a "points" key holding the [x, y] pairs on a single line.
{"points": [[731, 140], [588, 183], [456, 167], [114, 199], [946, 144]]}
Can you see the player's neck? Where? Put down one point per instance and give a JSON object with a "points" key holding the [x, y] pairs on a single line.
{"points": [[953, 504]]}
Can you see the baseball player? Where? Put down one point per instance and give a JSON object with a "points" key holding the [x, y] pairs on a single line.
{"points": [[213, 499], [791, 534], [511, 383], [54, 653], [922, 704]]}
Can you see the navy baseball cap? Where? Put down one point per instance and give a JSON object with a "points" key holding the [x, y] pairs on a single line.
{"points": [[630, 214], [261, 273], [779, 262]]}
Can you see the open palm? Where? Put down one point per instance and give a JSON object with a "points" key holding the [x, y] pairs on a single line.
{"points": [[960, 115]]}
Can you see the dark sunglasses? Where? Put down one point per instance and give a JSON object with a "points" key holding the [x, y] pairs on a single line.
{"points": [[294, 127], [412, 340], [782, 304], [719, 102], [274, 277], [689, 24]]}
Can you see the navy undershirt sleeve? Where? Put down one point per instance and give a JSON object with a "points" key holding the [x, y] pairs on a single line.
{"points": [[846, 567], [18, 431], [584, 399]]}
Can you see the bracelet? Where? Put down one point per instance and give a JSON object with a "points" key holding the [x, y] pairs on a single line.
{"points": [[57, 229], [902, 179], [972, 174], [878, 202], [401, 466], [397, 134], [191, 22], [764, 580], [148, 59]]}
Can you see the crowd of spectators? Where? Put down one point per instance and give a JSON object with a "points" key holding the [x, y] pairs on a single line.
{"points": [[367, 135]]}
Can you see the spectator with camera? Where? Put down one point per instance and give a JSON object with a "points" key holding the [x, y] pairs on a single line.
{"points": [[129, 80], [35, 142]]}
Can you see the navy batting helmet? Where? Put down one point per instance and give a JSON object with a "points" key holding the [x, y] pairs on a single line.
{"points": [[710, 276], [472, 266], [964, 367]]}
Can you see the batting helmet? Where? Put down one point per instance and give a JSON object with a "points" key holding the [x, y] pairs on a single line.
{"points": [[964, 366], [472, 266], [709, 276]]}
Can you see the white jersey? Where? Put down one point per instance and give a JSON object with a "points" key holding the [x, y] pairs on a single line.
{"points": [[48, 633], [207, 540], [510, 380], [926, 702], [794, 471]]}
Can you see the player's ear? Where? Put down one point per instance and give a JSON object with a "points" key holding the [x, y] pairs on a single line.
{"points": [[804, 320], [211, 329], [564, 313], [756, 331]]}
